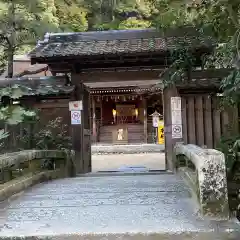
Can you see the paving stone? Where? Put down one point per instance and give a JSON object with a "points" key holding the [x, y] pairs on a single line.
{"points": [[108, 207]]}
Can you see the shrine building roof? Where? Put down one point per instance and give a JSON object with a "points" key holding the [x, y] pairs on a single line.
{"points": [[117, 42]]}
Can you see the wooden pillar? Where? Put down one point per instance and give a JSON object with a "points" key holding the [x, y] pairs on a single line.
{"points": [[101, 106], [145, 120], [81, 133], [94, 126], [87, 153], [77, 129], [169, 141]]}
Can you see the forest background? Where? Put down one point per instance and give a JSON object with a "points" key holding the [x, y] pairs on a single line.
{"points": [[23, 22]]}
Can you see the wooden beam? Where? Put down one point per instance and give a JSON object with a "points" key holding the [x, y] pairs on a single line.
{"points": [[51, 105]]}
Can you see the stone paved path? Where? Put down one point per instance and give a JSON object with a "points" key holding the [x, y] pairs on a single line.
{"points": [[110, 207], [153, 161]]}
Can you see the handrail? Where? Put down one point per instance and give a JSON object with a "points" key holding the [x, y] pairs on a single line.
{"points": [[30, 161], [205, 171]]}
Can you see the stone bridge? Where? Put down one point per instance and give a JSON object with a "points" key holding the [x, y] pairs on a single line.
{"points": [[114, 206]]}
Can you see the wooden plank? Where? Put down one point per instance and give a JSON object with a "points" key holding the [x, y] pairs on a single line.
{"points": [[208, 121], [184, 120], [216, 122], [224, 123], [51, 105], [191, 120], [199, 120]]}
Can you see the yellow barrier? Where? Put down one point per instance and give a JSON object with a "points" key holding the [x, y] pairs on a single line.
{"points": [[160, 132]]}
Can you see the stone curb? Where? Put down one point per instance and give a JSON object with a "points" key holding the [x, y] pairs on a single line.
{"points": [[217, 235], [126, 152], [127, 149], [115, 174]]}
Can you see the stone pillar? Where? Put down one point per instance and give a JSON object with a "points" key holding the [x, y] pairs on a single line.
{"points": [[145, 120], [94, 126]]}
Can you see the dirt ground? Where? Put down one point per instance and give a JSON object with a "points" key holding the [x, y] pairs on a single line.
{"points": [[152, 161]]}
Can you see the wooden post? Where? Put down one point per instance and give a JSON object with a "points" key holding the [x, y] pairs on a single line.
{"points": [[145, 120], [169, 141], [86, 135], [94, 127], [77, 130]]}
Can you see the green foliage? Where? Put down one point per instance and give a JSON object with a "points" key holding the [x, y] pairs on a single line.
{"points": [[183, 62], [13, 115], [14, 92], [21, 23], [71, 16], [170, 13], [225, 145], [231, 87], [53, 135], [134, 23], [3, 136]]}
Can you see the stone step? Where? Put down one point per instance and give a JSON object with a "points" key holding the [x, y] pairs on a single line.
{"points": [[130, 148]]}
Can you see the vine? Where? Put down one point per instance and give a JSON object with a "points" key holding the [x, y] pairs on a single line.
{"points": [[183, 62]]}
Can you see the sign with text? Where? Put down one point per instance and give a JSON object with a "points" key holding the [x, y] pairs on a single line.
{"points": [[176, 117], [176, 103], [177, 131], [75, 106], [75, 117], [155, 120], [176, 113]]}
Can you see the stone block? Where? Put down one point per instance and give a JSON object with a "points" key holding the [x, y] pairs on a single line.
{"points": [[34, 165], [212, 181], [6, 175], [32, 160]]}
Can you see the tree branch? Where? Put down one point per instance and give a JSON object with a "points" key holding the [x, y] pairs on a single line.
{"points": [[3, 37], [28, 72]]}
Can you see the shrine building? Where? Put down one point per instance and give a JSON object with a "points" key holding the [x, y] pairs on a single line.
{"points": [[123, 71], [120, 68]]}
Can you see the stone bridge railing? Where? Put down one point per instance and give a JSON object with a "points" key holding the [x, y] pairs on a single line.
{"points": [[20, 170], [204, 170]]}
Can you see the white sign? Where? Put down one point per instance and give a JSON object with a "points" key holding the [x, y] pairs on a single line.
{"points": [[176, 110], [176, 103], [177, 131], [75, 106], [75, 117], [155, 121], [176, 117]]}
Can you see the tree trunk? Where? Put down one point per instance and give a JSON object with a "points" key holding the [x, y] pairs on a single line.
{"points": [[11, 45], [10, 62]]}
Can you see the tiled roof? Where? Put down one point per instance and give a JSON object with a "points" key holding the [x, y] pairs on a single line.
{"points": [[39, 85], [117, 42]]}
